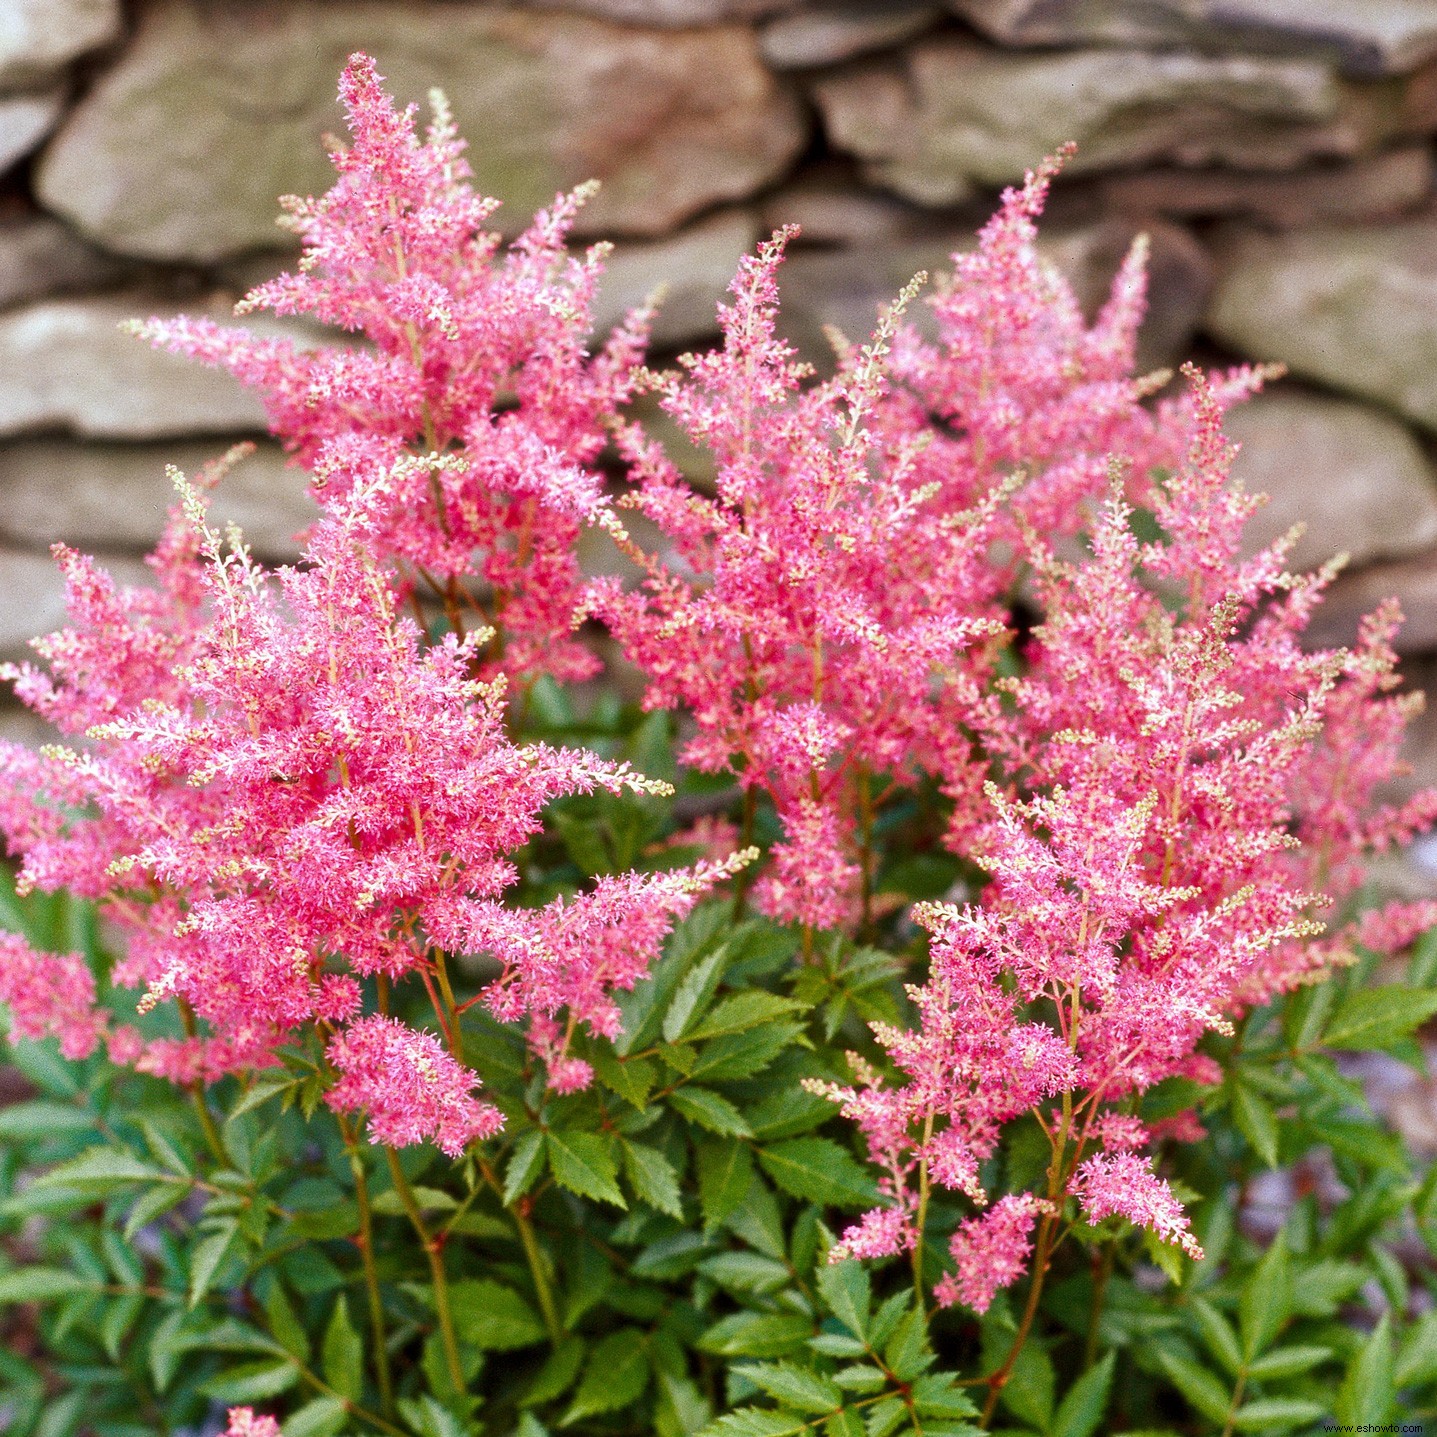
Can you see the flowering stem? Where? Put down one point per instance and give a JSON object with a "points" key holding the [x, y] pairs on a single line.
{"points": [[432, 1251], [922, 1214], [197, 1093], [451, 1013], [1104, 1266], [534, 1257], [382, 1373]]}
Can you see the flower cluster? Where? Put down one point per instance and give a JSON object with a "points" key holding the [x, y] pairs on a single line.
{"points": [[470, 351]]}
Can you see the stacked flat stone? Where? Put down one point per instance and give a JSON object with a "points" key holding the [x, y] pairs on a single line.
{"points": [[1277, 152]]}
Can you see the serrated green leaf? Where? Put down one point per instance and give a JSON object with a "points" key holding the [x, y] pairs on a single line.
{"points": [[693, 994], [847, 1293], [756, 1334], [342, 1355], [756, 1422], [525, 1164], [1266, 1299], [1217, 1334], [323, 1417], [1287, 1362], [206, 1259], [152, 1205], [1417, 1354], [104, 1169], [558, 1373], [1286, 1413], [631, 1078], [40, 1120], [739, 1012], [492, 1317], [615, 1375], [583, 1163], [653, 1177], [43, 1284], [1378, 1017], [725, 1171], [1368, 1388], [1082, 1407], [1256, 1121], [745, 1271], [709, 1110], [1199, 1386], [793, 1386], [907, 1354], [743, 1055], [819, 1170], [252, 1381]]}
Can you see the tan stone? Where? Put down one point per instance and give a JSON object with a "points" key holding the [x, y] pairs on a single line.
{"points": [[32, 597], [178, 154], [1354, 476], [1380, 187], [25, 120], [116, 496], [38, 38], [951, 114], [828, 34], [1353, 307], [1412, 582], [40, 257]]}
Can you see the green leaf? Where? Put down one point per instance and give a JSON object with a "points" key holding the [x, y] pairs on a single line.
{"points": [[698, 986], [709, 1110], [631, 1078], [741, 1011], [583, 1163], [252, 1381], [907, 1353], [1028, 1393], [324, 1417], [742, 1055], [1287, 1362], [1256, 1121], [725, 1174], [1082, 1408], [557, 1374], [42, 1284], [653, 1177], [792, 1386], [104, 1169], [847, 1293], [615, 1375], [756, 1334], [818, 1170], [1218, 1335], [153, 1204], [1199, 1386], [1378, 1017], [739, 1271], [342, 1356], [39, 1120], [207, 1257], [525, 1165], [492, 1317], [756, 1422], [1266, 1299], [1368, 1390], [1417, 1356], [284, 1323], [1266, 1413]]}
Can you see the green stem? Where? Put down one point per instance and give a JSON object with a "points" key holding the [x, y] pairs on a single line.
{"points": [[451, 1008], [432, 1252], [213, 1141], [382, 1374], [922, 1215], [550, 1312], [1104, 1267]]}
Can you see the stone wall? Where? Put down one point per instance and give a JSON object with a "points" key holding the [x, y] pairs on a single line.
{"points": [[1278, 153]]}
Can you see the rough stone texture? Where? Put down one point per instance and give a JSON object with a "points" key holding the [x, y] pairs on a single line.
{"points": [[116, 496], [1353, 307], [951, 114], [25, 120], [178, 154], [38, 38], [670, 14], [1180, 280], [69, 367], [40, 257], [693, 269], [1367, 37], [1380, 187], [830, 212], [1353, 475], [1413, 582], [841, 31]]}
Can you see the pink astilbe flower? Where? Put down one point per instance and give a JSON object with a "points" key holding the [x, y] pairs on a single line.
{"points": [[244, 1423], [473, 351], [408, 1086], [1124, 1185], [825, 621], [312, 794], [50, 995], [990, 1252]]}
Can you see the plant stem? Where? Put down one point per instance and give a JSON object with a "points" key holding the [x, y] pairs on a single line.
{"points": [[1104, 1267], [1042, 1250], [451, 1014], [378, 1334], [435, 1257], [922, 1215], [533, 1255], [213, 1140]]}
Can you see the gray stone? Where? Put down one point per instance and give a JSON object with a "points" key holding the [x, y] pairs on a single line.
{"points": [[835, 212], [670, 14], [1368, 37], [69, 367], [178, 154], [32, 598], [1380, 187], [1353, 475], [827, 35], [692, 270], [1180, 279], [1412, 582], [25, 120], [1353, 307], [40, 257], [116, 496], [38, 38], [951, 114]]}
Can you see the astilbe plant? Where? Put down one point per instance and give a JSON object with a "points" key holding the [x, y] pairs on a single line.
{"points": [[969, 622]]}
